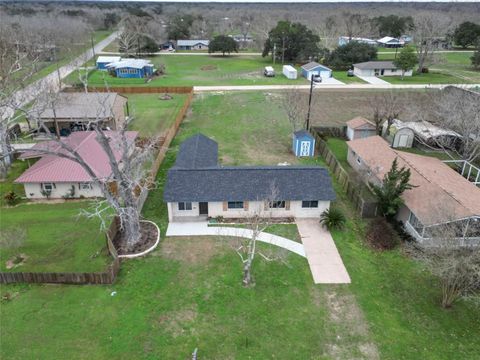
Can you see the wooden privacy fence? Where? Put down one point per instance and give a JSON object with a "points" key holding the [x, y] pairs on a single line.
{"points": [[135, 89], [365, 207], [332, 131], [78, 278]]}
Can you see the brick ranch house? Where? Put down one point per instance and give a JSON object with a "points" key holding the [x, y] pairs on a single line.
{"points": [[56, 176], [74, 111], [440, 196], [198, 187]]}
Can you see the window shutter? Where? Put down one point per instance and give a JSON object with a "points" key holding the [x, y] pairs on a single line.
{"points": [[225, 206], [287, 205], [245, 205]]}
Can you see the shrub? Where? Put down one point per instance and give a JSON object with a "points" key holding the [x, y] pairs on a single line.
{"points": [[11, 198], [333, 219], [381, 234]]}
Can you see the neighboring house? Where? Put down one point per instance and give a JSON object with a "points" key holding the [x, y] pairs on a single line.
{"points": [[440, 195], [420, 132], [59, 177], [103, 61], [314, 68], [303, 144], [193, 44], [344, 40], [390, 42], [241, 38], [198, 187], [378, 68], [167, 46], [132, 68], [359, 128], [73, 111], [407, 39]]}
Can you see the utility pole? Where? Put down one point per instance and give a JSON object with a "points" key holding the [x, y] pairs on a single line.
{"points": [[309, 104], [274, 52]]}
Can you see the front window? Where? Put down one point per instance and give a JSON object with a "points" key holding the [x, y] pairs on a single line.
{"points": [[85, 186], [359, 160], [277, 204], [48, 186], [184, 206], [310, 204], [235, 204]]}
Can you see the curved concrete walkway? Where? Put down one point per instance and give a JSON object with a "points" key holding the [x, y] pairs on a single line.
{"points": [[202, 229]]}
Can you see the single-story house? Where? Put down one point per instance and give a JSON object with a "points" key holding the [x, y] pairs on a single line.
{"points": [[193, 44], [378, 68], [344, 40], [242, 38], [103, 61], [198, 187], [74, 111], [440, 195], [131, 68], [167, 46], [54, 177], [359, 128], [314, 68], [390, 42], [420, 132], [303, 144]]}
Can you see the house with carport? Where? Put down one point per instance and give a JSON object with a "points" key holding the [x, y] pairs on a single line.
{"points": [[131, 68], [193, 44], [198, 187], [441, 200]]}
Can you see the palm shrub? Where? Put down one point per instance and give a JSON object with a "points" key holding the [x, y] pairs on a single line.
{"points": [[11, 198], [333, 219]]}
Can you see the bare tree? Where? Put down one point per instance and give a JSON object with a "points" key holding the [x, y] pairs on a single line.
{"points": [[128, 179], [428, 29], [386, 106], [294, 103], [456, 109], [259, 218], [457, 268], [355, 24]]}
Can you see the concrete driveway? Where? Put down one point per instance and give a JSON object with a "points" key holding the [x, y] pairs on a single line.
{"points": [[325, 262], [373, 80]]}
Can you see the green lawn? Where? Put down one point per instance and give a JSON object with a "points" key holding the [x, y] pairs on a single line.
{"points": [[343, 77], [17, 168], [187, 294], [151, 115], [430, 78], [57, 238], [201, 70]]}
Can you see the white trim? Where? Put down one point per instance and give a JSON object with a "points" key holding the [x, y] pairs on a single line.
{"points": [[143, 253]]}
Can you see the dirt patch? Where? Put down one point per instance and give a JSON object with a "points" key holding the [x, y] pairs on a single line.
{"points": [[190, 250], [177, 322], [208, 67], [350, 338], [149, 235], [17, 260]]}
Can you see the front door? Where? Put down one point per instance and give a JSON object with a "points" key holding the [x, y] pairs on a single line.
{"points": [[402, 142], [203, 208], [305, 148]]}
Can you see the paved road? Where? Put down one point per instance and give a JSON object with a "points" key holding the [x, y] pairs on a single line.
{"points": [[199, 89], [185, 53], [31, 91]]}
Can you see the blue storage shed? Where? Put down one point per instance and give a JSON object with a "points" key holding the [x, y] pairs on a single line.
{"points": [[314, 68], [132, 68], [103, 61], [303, 144]]}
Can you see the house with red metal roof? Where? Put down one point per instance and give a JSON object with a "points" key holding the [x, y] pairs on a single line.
{"points": [[53, 176]]}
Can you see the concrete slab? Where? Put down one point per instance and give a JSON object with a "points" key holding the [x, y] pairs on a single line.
{"points": [[373, 80], [323, 257]]}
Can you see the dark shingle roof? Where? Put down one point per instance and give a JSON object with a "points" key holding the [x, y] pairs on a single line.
{"points": [[248, 183], [372, 65], [196, 152]]}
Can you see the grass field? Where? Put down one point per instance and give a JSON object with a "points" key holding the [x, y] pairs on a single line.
{"points": [[201, 70], [17, 168], [343, 77], [151, 115], [187, 294], [57, 238]]}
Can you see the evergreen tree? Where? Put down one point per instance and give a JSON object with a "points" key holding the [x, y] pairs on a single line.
{"points": [[224, 44], [406, 60], [394, 184]]}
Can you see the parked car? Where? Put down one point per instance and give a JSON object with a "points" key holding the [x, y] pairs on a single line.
{"points": [[269, 71], [316, 78], [350, 72]]}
